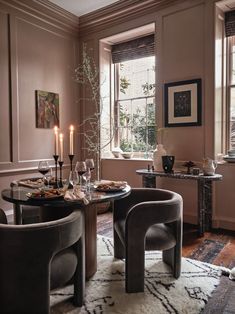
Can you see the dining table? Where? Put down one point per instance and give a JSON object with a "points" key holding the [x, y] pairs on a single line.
{"points": [[19, 196]]}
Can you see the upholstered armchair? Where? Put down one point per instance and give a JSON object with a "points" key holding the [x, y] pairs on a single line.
{"points": [[37, 258], [147, 219]]}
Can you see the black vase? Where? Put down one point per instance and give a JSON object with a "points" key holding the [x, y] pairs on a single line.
{"points": [[168, 163]]}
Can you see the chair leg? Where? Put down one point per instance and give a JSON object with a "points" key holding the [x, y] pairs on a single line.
{"points": [[135, 267], [173, 259], [119, 249], [79, 277]]}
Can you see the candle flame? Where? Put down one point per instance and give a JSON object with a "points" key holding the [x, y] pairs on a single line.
{"points": [[71, 128], [56, 129], [61, 136]]}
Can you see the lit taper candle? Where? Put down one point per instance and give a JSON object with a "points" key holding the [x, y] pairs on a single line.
{"points": [[71, 128], [61, 147], [56, 140]]}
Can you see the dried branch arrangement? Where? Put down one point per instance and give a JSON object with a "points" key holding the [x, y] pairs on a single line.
{"points": [[87, 74]]}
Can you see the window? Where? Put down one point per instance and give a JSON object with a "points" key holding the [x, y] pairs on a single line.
{"points": [[231, 91], [135, 105], [134, 100]]}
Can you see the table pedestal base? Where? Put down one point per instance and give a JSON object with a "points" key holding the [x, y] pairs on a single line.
{"points": [[91, 240]]}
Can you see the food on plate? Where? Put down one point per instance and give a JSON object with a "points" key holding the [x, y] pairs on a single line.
{"points": [[32, 183], [45, 193], [106, 185]]}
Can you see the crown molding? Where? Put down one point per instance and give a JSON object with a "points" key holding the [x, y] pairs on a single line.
{"points": [[47, 12], [120, 12]]}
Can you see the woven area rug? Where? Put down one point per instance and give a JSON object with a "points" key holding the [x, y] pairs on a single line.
{"points": [[105, 291]]}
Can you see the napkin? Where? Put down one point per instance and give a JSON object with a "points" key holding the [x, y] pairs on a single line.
{"points": [[76, 195]]}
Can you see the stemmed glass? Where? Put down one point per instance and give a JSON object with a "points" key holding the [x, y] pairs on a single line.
{"points": [[48, 176], [90, 165], [87, 178], [81, 169], [73, 179], [43, 168]]}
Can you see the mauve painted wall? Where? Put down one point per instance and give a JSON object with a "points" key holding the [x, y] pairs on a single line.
{"points": [[185, 41], [43, 57]]}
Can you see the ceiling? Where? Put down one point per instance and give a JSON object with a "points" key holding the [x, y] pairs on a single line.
{"points": [[81, 7], [226, 5]]}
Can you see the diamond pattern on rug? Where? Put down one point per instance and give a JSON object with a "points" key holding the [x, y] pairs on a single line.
{"points": [[105, 291]]}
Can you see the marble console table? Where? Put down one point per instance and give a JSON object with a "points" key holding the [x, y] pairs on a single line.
{"points": [[204, 185]]}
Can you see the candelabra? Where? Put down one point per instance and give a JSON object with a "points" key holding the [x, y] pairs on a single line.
{"points": [[60, 181], [56, 157]]}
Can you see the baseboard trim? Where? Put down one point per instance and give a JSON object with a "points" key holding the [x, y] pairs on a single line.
{"points": [[191, 219], [217, 222], [224, 223]]}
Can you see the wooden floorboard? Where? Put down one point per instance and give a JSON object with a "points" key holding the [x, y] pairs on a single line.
{"points": [[216, 247]]}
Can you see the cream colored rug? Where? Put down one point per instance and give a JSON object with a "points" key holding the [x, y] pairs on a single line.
{"points": [[105, 291]]}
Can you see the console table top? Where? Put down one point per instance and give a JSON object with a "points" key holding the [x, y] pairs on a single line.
{"points": [[179, 175]]}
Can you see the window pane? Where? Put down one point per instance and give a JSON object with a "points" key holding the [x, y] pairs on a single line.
{"points": [[136, 107], [136, 78], [232, 118], [232, 58]]}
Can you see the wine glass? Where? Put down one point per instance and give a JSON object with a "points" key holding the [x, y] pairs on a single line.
{"points": [[81, 168], [48, 176], [87, 178], [91, 165], [43, 168], [73, 179]]}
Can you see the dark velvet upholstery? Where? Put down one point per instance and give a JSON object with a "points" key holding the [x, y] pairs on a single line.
{"points": [[147, 219], [37, 258]]}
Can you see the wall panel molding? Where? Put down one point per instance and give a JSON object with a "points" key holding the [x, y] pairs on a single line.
{"points": [[37, 53], [44, 11], [120, 12]]}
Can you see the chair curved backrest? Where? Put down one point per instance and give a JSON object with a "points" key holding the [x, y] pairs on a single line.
{"points": [[26, 253], [147, 219]]}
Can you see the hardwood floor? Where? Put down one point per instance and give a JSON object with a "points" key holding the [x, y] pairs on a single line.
{"points": [[216, 247]]}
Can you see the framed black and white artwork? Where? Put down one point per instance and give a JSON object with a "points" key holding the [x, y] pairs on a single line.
{"points": [[183, 103]]}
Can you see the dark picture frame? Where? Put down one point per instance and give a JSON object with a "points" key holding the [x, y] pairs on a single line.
{"points": [[183, 103], [47, 109]]}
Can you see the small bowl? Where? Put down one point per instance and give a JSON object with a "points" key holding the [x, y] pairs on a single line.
{"points": [[116, 154], [127, 155]]}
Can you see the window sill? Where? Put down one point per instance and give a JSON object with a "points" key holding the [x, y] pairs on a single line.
{"points": [[128, 159]]}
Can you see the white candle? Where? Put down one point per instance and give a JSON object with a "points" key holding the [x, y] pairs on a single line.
{"points": [[61, 146], [71, 140], [56, 140]]}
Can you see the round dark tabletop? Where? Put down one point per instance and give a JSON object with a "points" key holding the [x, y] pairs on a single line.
{"points": [[18, 195]]}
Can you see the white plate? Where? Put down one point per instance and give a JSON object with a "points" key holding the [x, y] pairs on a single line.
{"points": [[110, 189], [229, 159]]}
